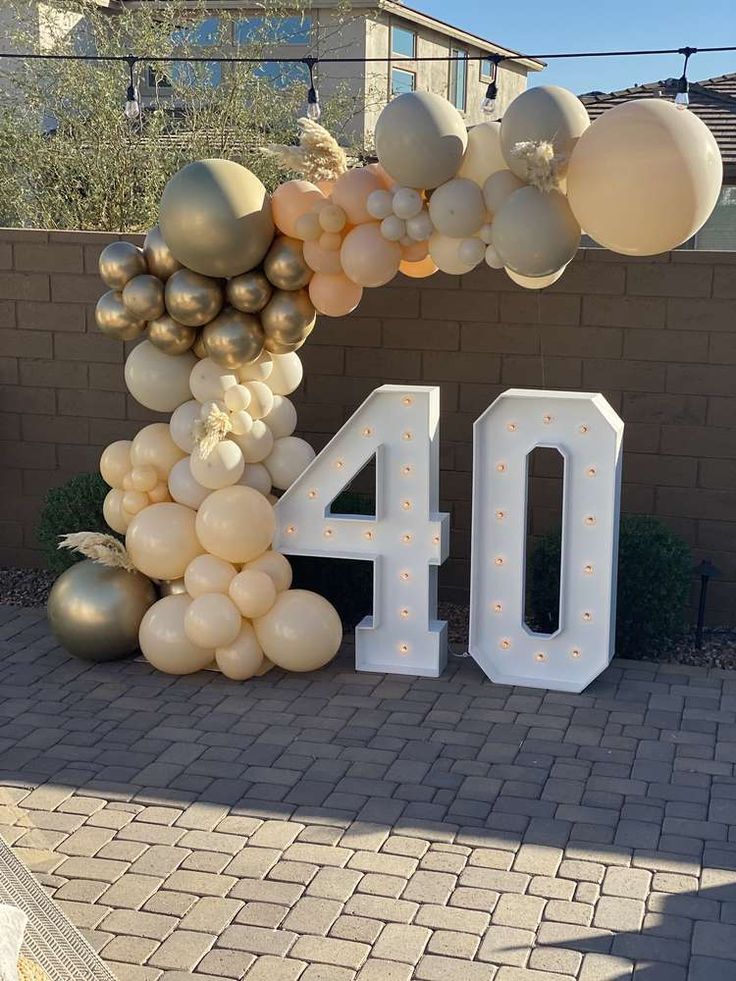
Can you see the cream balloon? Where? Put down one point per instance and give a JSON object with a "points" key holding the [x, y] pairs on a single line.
{"points": [[253, 592], [241, 422], [183, 488], [420, 139], [420, 227], [235, 523], [483, 155], [535, 233], [237, 398], [472, 251], [393, 229], [261, 399], [153, 447], [256, 443], [445, 253], [161, 540], [256, 476], [144, 478], [407, 202], [212, 620], [281, 419], [112, 511], [334, 295], [258, 370], [493, 260], [208, 381], [535, 282], [286, 375], [134, 501], [243, 658], [380, 204], [276, 565], [542, 114], [221, 467], [208, 574], [644, 177], [288, 459], [182, 423], [367, 258], [457, 208], [301, 631], [115, 462], [157, 380], [164, 643], [322, 260], [498, 189]]}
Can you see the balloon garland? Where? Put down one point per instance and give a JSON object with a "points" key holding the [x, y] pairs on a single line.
{"points": [[227, 287]]}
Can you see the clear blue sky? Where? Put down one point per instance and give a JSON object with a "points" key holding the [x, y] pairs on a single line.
{"points": [[538, 26]]}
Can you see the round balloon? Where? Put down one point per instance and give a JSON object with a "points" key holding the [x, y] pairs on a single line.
{"points": [[143, 297], [351, 192], [418, 270], [192, 299], [115, 319], [276, 566], [243, 658], [235, 523], [483, 155], [535, 232], [288, 459], [119, 262], [255, 443], [112, 511], [216, 218], [182, 422], [498, 189], [286, 375], [334, 295], [153, 447], [367, 258], [258, 370], [445, 253], [208, 381], [208, 574], [159, 258], [644, 177], [233, 338], [535, 282], [253, 592], [161, 540], [291, 200], [115, 462], [169, 336], [420, 139], [212, 620], [256, 476], [457, 208], [322, 260], [221, 467], [281, 417], [157, 381], [284, 264], [163, 641], [301, 631], [542, 114], [184, 489], [249, 292]]}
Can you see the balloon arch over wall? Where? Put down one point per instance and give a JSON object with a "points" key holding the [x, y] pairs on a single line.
{"points": [[226, 289]]}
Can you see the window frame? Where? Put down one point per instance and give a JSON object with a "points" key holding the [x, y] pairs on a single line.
{"points": [[454, 78], [402, 71], [402, 54]]}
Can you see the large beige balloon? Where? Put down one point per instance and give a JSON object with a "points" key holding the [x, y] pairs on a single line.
{"points": [[457, 208], [243, 658], [159, 258], [256, 476], [258, 370], [161, 540], [115, 462], [119, 262], [114, 319], [163, 641], [157, 380], [208, 574], [275, 565], [208, 381], [281, 418], [193, 299], [182, 422], [288, 460], [535, 282], [535, 233], [212, 620], [253, 591], [645, 177], [498, 189], [286, 375], [221, 467], [544, 113], [367, 258], [483, 155], [256, 443], [216, 218], [301, 631], [184, 489], [153, 447], [420, 139], [235, 523], [445, 253]]}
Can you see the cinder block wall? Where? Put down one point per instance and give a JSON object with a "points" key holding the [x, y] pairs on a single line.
{"points": [[657, 337]]}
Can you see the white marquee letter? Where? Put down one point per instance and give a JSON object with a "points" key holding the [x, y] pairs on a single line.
{"points": [[588, 434], [408, 538]]}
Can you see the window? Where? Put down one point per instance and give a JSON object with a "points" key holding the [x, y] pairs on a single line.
{"points": [[458, 78], [402, 81], [278, 30], [204, 34], [486, 69], [403, 42], [282, 76]]}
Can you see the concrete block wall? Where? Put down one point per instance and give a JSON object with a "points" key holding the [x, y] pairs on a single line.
{"points": [[656, 336]]}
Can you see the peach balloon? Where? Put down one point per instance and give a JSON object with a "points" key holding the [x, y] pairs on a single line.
{"points": [[161, 540], [292, 200], [276, 565], [208, 574], [367, 258], [212, 620], [386, 180], [322, 260], [326, 186], [418, 270], [243, 658], [153, 447], [351, 192], [415, 252], [163, 641], [115, 462], [301, 632], [253, 592], [235, 523], [334, 295]]}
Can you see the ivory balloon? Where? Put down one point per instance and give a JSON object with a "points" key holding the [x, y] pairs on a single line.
{"points": [[115, 462], [286, 375], [276, 566], [183, 488], [159, 494], [351, 192], [161, 540], [249, 292], [288, 459], [253, 592], [112, 511], [143, 297], [535, 233], [457, 208], [235, 523], [420, 227], [208, 574], [543, 114], [256, 443], [291, 200], [281, 417], [380, 204], [212, 620], [256, 476], [301, 631], [418, 270], [261, 399], [644, 177], [393, 229], [216, 218], [193, 299], [366, 257], [119, 262], [221, 467], [233, 338], [407, 202], [334, 295], [498, 189], [156, 380], [237, 398], [114, 319], [163, 641], [288, 311], [258, 370], [535, 282], [243, 658], [444, 251], [241, 422], [182, 423], [322, 260], [169, 336], [284, 264], [420, 139], [493, 260], [208, 381], [134, 501], [154, 447], [472, 251], [483, 155], [158, 255]]}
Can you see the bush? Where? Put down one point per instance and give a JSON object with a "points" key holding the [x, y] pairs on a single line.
{"points": [[75, 506], [654, 576]]}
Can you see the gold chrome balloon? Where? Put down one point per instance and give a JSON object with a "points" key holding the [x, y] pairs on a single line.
{"points": [[172, 587], [169, 336], [233, 339], [288, 311], [192, 299], [115, 320], [143, 297], [119, 262], [198, 347], [286, 341], [285, 266], [95, 611], [249, 292], [158, 255]]}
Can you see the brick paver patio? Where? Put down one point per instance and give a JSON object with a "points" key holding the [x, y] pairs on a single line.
{"points": [[344, 826]]}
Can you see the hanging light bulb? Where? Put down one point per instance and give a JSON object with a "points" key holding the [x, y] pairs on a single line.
{"points": [[132, 99], [488, 103], [314, 110], [682, 97]]}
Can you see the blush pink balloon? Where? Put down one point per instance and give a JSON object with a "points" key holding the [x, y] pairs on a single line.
{"points": [[351, 192], [367, 258], [415, 252], [388, 182], [292, 200], [334, 296], [322, 260]]}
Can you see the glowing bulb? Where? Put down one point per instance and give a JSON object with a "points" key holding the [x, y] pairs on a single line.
{"points": [[512, 427], [132, 104], [407, 435], [328, 533], [339, 464], [407, 400], [589, 519], [497, 608], [436, 540], [505, 644], [575, 652], [406, 470], [540, 656], [407, 538], [547, 419], [404, 576], [500, 515], [501, 467], [583, 429], [587, 617], [312, 494], [406, 505], [403, 648], [367, 431], [591, 472], [499, 560], [368, 535], [290, 530], [588, 570], [404, 613]]}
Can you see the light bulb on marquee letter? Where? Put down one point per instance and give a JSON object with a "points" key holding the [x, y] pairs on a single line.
{"points": [[588, 434], [408, 538]]}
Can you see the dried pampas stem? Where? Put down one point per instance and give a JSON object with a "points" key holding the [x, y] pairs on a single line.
{"points": [[210, 431], [319, 157], [542, 166], [99, 547]]}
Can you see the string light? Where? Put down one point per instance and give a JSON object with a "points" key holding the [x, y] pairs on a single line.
{"points": [[132, 102], [314, 110], [488, 103], [682, 98]]}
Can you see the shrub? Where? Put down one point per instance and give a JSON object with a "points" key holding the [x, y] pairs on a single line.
{"points": [[75, 506], [654, 576]]}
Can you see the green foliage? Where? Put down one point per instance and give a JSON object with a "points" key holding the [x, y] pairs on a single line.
{"points": [[75, 506], [654, 576]]}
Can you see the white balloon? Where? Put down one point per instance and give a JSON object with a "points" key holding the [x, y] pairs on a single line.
{"points": [[258, 370], [208, 574], [535, 233], [472, 251], [498, 189], [243, 658], [493, 259], [535, 282], [157, 380], [393, 229], [483, 155], [379, 204], [183, 488], [182, 422], [221, 467], [486, 233], [261, 399], [289, 458], [407, 202], [256, 476], [256, 444], [445, 254], [420, 227], [457, 208], [209, 381], [281, 420], [241, 422], [287, 374], [212, 620]]}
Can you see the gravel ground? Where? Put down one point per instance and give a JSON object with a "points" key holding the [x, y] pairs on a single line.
{"points": [[30, 587]]}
